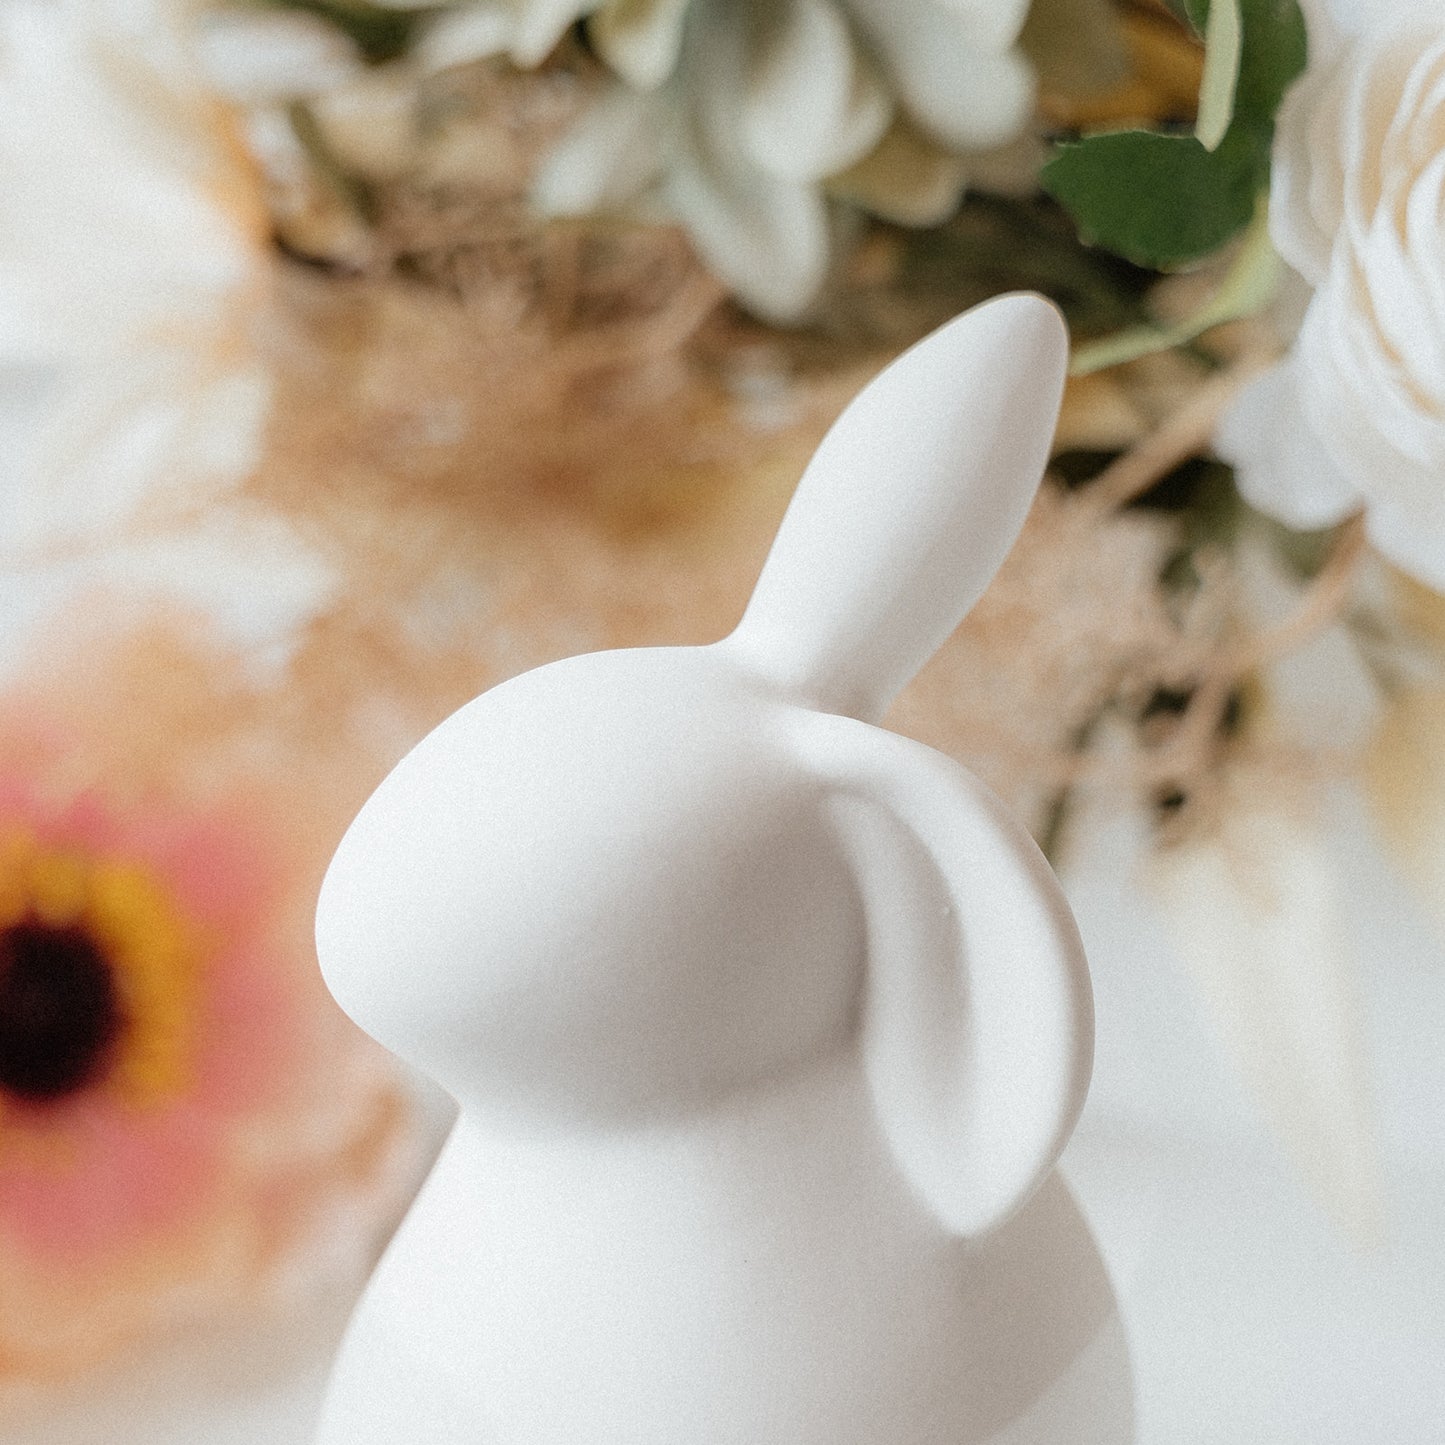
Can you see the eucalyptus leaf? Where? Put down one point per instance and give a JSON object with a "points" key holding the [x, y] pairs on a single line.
{"points": [[1158, 200], [1163, 200], [1273, 53]]}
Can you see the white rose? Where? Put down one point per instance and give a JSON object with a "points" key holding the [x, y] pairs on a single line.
{"points": [[1329, 20], [1355, 417]]}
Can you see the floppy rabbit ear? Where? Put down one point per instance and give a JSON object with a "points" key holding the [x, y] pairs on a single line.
{"points": [[978, 1016], [906, 511]]}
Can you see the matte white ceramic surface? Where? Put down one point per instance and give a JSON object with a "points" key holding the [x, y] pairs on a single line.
{"points": [[767, 1026]]}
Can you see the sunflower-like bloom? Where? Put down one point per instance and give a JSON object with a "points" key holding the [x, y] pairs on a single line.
{"points": [[740, 117]]}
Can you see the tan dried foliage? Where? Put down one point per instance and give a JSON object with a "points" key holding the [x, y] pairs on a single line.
{"points": [[520, 441], [500, 492]]}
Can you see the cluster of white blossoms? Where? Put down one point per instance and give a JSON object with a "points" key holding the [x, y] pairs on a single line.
{"points": [[738, 117], [1355, 415]]}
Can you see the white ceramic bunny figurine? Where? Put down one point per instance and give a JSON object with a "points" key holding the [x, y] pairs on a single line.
{"points": [[767, 1026]]}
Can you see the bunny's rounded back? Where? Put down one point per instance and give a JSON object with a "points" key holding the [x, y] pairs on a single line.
{"points": [[767, 1026]]}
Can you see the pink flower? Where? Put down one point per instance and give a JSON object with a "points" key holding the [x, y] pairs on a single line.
{"points": [[188, 1124]]}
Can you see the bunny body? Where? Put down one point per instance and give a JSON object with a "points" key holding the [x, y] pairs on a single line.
{"points": [[767, 1026], [756, 1275]]}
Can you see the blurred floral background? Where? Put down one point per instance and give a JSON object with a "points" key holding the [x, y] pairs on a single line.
{"points": [[357, 354]]}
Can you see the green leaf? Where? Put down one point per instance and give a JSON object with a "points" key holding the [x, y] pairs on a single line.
{"points": [[1158, 200], [1274, 52], [1164, 200], [1224, 46], [1187, 10]]}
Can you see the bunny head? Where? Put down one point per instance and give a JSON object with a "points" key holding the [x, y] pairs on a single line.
{"points": [[567, 861], [627, 884]]}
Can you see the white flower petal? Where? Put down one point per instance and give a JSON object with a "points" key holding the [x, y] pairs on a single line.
{"points": [[1412, 136], [1307, 181], [962, 92], [1414, 544], [812, 103], [1281, 467], [639, 39], [1257, 919], [1365, 407], [989, 24], [274, 55], [1325, 35], [765, 237], [153, 436], [527, 30], [1409, 333], [541, 24], [1358, 204], [1371, 111], [370, 124], [246, 570], [760, 102], [468, 33], [1367, 17], [1425, 236], [612, 153]]}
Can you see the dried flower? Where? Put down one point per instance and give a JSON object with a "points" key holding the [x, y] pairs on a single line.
{"points": [[1257, 915], [1074, 622], [1405, 783]]}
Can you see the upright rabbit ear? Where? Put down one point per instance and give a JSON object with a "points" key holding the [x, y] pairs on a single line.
{"points": [[978, 1017], [908, 508]]}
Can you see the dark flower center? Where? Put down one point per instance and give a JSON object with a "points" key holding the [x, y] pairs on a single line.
{"points": [[59, 1014]]}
